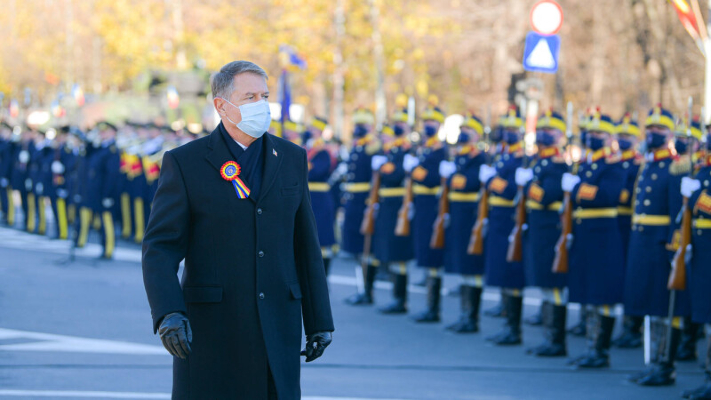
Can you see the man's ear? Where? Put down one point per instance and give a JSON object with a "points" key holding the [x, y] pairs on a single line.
{"points": [[219, 105]]}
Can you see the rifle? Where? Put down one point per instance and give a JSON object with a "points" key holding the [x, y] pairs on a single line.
{"points": [[514, 253], [367, 226], [476, 241], [677, 277], [437, 240], [402, 228], [560, 263]]}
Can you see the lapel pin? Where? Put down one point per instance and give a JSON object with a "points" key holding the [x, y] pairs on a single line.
{"points": [[274, 152]]}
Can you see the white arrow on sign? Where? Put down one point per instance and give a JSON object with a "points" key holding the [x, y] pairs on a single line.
{"points": [[36, 341], [541, 56]]}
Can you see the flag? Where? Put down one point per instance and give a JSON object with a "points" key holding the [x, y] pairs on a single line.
{"points": [[284, 96], [78, 94], [687, 17]]}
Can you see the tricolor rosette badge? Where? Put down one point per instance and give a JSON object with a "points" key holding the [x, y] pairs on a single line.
{"points": [[230, 172]]}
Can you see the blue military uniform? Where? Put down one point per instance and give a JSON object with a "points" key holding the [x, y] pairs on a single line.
{"points": [[62, 164], [426, 187], [596, 272], [656, 203], [630, 160], [22, 181], [7, 150], [699, 278], [502, 189], [42, 181], [99, 191], [464, 186], [357, 185], [324, 208]]}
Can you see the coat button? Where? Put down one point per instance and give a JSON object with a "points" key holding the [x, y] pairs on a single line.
{"points": [[261, 296], [261, 253], [259, 211]]}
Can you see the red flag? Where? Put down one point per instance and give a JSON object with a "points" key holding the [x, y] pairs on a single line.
{"points": [[687, 17]]}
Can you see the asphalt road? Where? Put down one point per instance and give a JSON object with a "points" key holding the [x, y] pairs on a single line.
{"points": [[83, 330]]}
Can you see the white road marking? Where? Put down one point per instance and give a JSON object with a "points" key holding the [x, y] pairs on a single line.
{"points": [[50, 342], [131, 395]]}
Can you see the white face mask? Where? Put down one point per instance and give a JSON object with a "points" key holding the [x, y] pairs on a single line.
{"points": [[255, 118]]}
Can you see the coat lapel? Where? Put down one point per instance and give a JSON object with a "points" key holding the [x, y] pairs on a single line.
{"points": [[218, 153], [272, 161]]}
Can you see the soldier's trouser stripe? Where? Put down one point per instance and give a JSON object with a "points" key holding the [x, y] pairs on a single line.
{"points": [[555, 296], [109, 239], [62, 218], [10, 207], [512, 292], [473, 280], [676, 322], [138, 214], [97, 222], [605, 310], [84, 221], [125, 215], [434, 272], [31, 223], [399, 268], [42, 215], [71, 213]]}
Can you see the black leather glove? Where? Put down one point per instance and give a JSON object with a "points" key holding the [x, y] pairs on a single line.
{"points": [[176, 335], [315, 345]]}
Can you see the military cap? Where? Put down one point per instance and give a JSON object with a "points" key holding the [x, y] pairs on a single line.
{"points": [[551, 120], [658, 116], [628, 126]]}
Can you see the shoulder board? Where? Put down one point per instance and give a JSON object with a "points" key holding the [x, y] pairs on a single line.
{"points": [[372, 148], [680, 167], [613, 159]]}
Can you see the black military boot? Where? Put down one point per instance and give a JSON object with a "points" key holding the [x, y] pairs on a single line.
{"points": [[469, 320], [657, 333], [511, 334], [631, 337], [547, 324], [502, 303], [687, 345], [591, 330], [399, 303], [703, 391], [600, 357], [555, 345], [365, 298], [327, 265], [497, 311], [538, 318], [431, 314], [580, 329], [664, 372]]}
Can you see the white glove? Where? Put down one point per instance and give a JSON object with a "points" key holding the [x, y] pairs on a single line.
{"points": [[523, 176], [57, 167], [689, 186], [410, 162], [377, 161], [24, 156], [486, 172], [39, 188], [569, 182], [342, 168], [446, 169], [4, 182], [107, 202]]}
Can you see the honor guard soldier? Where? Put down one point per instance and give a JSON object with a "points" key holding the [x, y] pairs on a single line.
{"points": [[27, 169], [655, 206], [7, 150], [462, 177], [101, 171], [292, 132], [698, 191], [391, 250], [496, 149], [500, 182], [541, 184], [42, 178], [424, 172], [62, 162], [321, 165], [127, 145], [356, 188], [274, 128], [596, 273], [580, 329], [688, 157], [627, 136]]}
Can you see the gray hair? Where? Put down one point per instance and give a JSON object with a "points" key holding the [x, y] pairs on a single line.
{"points": [[223, 83]]}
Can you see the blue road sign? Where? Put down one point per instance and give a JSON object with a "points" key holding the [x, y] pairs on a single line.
{"points": [[541, 53]]}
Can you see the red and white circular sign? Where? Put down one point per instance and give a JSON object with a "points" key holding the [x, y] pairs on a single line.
{"points": [[546, 17]]}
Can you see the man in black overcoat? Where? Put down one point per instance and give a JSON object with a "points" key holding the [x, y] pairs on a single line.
{"points": [[235, 206]]}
